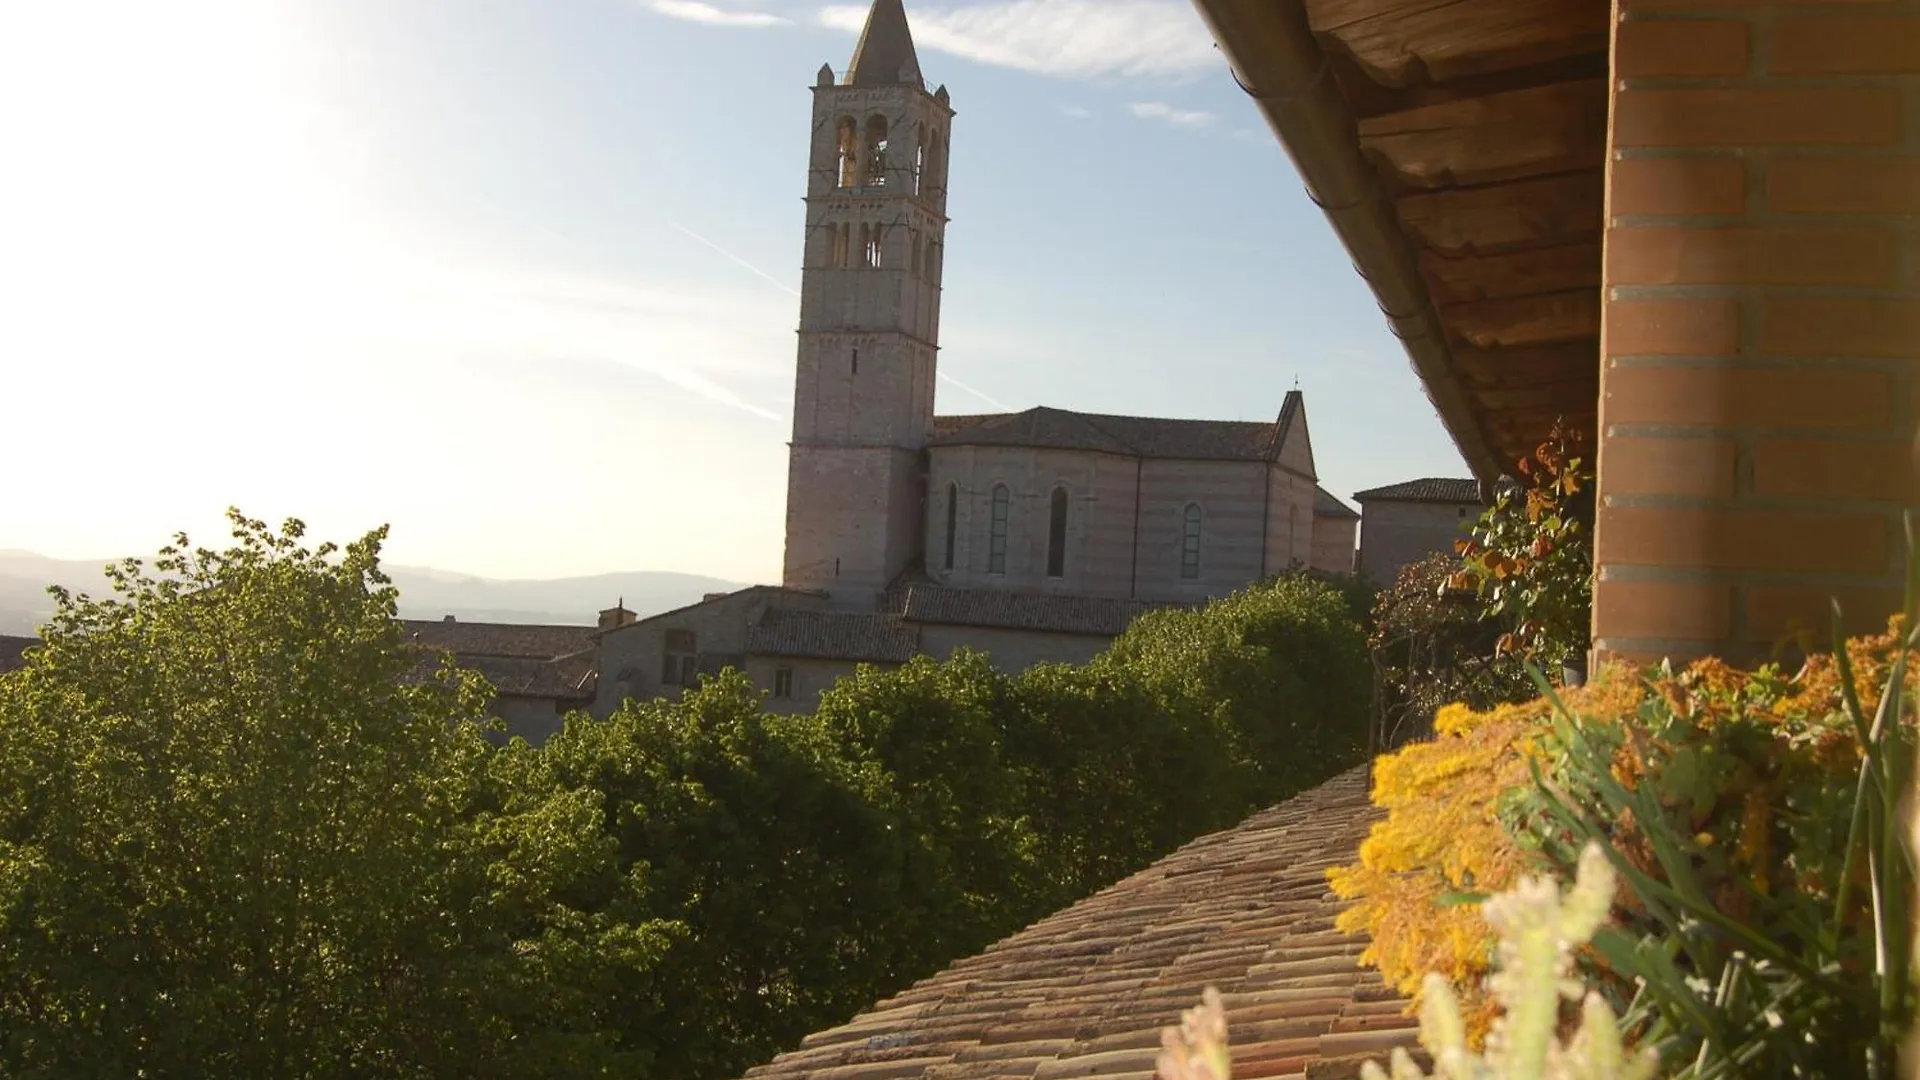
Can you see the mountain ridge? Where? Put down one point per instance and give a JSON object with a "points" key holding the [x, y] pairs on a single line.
{"points": [[425, 592]]}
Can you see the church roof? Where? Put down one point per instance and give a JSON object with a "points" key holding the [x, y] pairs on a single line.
{"points": [[1426, 489], [500, 639], [1095, 616], [1087, 991], [885, 51], [557, 662], [832, 635], [1131, 436], [1327, 504]]}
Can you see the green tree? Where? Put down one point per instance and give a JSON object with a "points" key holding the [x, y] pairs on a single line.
{"points": [[234, 841], [1279, 671], [803, 890]]}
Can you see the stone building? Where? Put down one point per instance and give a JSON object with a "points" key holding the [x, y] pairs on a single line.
{"points": [[1033, 536], [1728, 187], [1405, 522], [540, 673]]}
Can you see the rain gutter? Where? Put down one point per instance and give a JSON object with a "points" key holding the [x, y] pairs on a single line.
{"points": [[1273, 55]]}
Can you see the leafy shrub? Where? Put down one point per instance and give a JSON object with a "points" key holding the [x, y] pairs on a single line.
{"points": [[1727, 796], [1432, 646], [1279, 669], [1530, 555], [1754, 819], [803, 885]]}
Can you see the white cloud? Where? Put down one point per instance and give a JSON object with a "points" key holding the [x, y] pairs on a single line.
{"points": [[1160, 110], [1065, 38], [707, 14]]}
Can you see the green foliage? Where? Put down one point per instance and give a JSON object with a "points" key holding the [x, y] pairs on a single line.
{"points": [[237, 837], [1433, 646], [233, 843], [1278, 670], [801, 886], [1530, 555]]}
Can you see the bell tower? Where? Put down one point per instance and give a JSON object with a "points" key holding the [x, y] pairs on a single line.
{"points": [[869, 318]]}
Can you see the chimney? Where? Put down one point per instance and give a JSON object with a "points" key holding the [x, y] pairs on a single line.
{"points": [[617, 616], [447, 619]]}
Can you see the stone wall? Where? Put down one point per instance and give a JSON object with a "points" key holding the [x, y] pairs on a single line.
{"points": [[1395, 533], [632, 658], [1333, 544], [535, 719], [1125, 522], [1012, 651]]}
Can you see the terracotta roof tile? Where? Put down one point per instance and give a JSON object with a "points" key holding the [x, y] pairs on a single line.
{"points": [[1426, 489], [832, 635], [1090, 615], [1129, 436], [501, 639], [1327, 504], [556, 662], [1086, 992]]}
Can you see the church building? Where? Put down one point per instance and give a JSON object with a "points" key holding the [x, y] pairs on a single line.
{"points": [[1033, 536]]}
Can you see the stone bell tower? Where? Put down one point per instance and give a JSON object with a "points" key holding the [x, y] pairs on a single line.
{"points": [[869, 318]]}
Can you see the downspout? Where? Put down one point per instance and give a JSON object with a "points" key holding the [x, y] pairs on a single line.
{"points": [[1133, 584], [1275, 59]]}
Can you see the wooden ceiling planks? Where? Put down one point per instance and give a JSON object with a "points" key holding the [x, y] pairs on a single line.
{"points": [[1486, 120], [1515, 135], [1403, 42]]}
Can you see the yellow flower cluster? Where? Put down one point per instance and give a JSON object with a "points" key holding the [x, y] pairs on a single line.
{"points": [[1442, 840], [1441, 837]]}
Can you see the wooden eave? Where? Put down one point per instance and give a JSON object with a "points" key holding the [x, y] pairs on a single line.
{"points": [[1483, 123]]}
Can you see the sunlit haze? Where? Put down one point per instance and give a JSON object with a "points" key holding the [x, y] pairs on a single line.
{"points": [[518, 277]]}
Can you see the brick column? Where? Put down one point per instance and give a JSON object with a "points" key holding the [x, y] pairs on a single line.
{"points": [[1762, 299]]}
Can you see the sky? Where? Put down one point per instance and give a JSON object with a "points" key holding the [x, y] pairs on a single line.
{"points": [[518, 277]]}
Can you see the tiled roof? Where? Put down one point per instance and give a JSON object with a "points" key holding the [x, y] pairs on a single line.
{"points": [[832, 635], [1131, 436], [1428, 489], [1087, 991], [1327, 504], [1092, 615], [501, 639], [12, 650], [559, 662]]}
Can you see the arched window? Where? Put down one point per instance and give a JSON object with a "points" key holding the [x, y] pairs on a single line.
{"points": [[841, 243], [876, 152], [919, 156], [997, 530], [1057, 534], [934, 178], [953, 520], [847, 146], [1190, 544], [870, 253]]}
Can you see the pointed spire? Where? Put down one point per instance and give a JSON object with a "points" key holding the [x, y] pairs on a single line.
{"points": [[885, 55]]}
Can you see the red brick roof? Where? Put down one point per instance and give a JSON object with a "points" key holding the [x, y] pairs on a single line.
{"points": [[1087, 991]]}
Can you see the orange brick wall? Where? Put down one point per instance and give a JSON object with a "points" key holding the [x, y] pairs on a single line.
{"points": [[1760, 381]]}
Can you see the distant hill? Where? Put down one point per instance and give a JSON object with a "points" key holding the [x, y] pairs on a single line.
{"points": [[425, 593]]}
